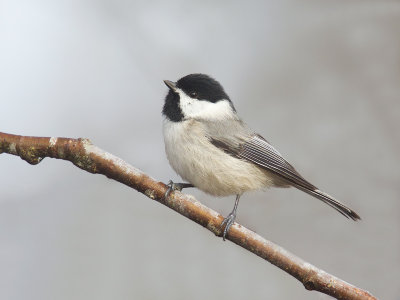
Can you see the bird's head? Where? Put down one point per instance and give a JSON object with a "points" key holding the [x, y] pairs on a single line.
{"points": [[197, 96]]}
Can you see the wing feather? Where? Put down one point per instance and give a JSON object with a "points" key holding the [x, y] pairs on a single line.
{"points": [[260, 152], [254, 148]]}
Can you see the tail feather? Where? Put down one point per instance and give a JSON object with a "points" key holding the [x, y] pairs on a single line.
{"points": [[332, 202]]}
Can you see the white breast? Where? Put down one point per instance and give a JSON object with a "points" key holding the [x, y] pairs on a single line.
{"points": [[208, 168]]}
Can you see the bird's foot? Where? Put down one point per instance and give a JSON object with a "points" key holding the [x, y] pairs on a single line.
{"points": [[228, 222], [172, 186]]}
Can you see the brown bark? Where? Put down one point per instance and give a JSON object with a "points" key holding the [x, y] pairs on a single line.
{"points": [[83, 154]]}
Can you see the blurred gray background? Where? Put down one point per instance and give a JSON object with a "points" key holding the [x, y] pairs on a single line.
{"points": [[320, 80]]}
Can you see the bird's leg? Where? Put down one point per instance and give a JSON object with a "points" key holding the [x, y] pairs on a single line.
{"points": [[176, 187], [230, 219]]}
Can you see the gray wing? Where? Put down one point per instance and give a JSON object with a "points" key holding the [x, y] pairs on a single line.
{"points": [[235, 138], [259, 151]]}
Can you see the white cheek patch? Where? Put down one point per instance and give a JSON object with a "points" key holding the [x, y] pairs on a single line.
{"points": [[199, 109]]}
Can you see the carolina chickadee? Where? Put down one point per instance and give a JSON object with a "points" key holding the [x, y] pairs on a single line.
{"points": [[209, 146]]}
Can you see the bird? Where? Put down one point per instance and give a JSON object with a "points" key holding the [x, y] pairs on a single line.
{"points": [[212, 148]]}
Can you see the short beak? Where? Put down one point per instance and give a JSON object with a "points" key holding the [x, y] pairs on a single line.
{"points": [[171, 85]]}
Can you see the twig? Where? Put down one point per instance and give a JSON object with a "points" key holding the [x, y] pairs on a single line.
{"points": [[83, 154]]}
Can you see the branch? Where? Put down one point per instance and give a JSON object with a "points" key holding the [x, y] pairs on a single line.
{"points": [[88, 157]]}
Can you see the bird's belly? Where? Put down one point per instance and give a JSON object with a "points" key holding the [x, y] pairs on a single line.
{"points": [[207, 167]]}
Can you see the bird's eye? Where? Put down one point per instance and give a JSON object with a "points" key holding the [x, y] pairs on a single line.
{"points": [[193, 94]]}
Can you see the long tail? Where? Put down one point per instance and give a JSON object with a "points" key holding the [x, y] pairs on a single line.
{"points": [[332, 202]]}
